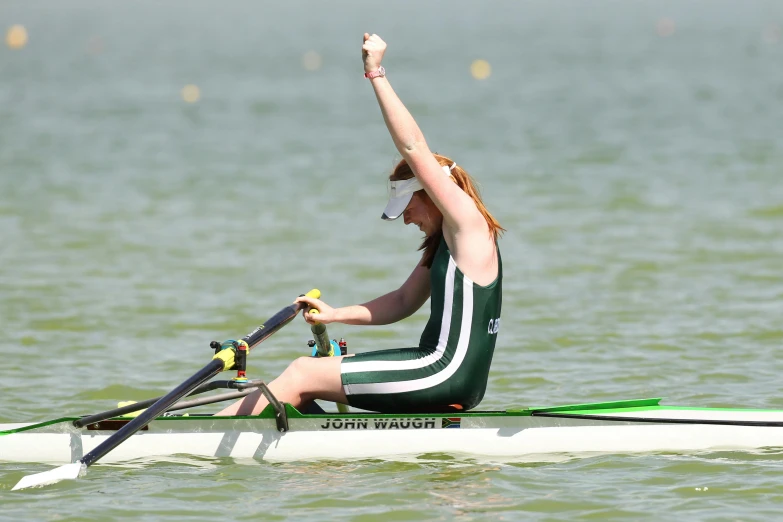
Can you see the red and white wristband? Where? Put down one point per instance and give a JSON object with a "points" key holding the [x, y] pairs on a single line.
{"points": [[381, 72]]}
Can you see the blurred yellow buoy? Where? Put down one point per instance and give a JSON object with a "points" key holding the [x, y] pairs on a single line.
{"points": [[191, 93], [16, 37], [312, 61], [480, 69]]}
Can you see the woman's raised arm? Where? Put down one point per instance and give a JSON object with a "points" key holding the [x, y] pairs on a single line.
{"points": [[458, 208]]}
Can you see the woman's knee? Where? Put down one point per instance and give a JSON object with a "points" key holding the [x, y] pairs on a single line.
{"points": [[299, 369]]}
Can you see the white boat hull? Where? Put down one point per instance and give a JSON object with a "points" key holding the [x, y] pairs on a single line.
{"points": [[493, 436]]}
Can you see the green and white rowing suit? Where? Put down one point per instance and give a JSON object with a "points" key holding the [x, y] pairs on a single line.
{"points": [[451, 364]]}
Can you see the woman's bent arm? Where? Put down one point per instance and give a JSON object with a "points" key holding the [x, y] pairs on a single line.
{"points": [[386, 309]]}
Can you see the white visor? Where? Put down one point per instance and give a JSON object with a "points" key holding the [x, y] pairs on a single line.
{"points": [[401, 194]]}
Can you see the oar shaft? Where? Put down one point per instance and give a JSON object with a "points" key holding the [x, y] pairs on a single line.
{"points": [[116, 412], [210, 400], [136, 406], [277, 321], [207, 372]]}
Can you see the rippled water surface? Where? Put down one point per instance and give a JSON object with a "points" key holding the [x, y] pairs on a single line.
{"points": [[633, 151]]}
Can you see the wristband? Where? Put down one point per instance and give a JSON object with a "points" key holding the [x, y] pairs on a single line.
{"points": [[375, 74]]}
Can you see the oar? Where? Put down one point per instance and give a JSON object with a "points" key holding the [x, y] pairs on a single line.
{"points": [[223, 360]]}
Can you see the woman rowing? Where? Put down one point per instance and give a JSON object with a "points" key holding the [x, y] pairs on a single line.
{"points": [[460, 272]]}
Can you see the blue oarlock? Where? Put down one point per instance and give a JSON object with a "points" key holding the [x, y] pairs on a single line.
{"points": [[334, 349]]}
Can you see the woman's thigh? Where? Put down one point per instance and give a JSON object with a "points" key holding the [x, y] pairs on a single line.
{"points": [[400, 380], [311, 378]]}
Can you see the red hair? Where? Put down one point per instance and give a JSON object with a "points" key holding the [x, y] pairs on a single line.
{"points": [[465, 182]]}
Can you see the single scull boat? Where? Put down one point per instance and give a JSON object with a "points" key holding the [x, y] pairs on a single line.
{"points": [[282, 433], [613, 427]]}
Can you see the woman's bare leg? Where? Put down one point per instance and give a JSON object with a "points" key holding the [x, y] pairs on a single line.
{"points": [[305, 379]]}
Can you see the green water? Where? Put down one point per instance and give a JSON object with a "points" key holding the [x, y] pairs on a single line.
{"points": [[638, 176]]}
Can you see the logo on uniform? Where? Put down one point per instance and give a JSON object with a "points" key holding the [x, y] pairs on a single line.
{"points": [[494, 326]]}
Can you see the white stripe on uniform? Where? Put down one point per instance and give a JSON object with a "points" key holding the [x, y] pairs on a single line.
{"points": [[440, 349], [437, 378]]}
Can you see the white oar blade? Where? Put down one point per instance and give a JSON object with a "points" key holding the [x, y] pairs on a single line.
{"points": [[69, 471]]}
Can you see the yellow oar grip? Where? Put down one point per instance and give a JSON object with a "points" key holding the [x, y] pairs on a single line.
{"points": [[227, 356], [315, 294]]}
